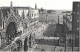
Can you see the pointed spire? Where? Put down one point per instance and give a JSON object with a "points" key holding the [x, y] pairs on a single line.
{"points": [[17, 12], [11, 9], [1, 12], [58, 19], [11, 3], [23, 14]]}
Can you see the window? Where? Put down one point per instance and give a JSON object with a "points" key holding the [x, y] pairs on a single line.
{"points": [[73, 12], [78, 20], [69, 40], [77, 13], [29, 15], [77, 5], [70, 17], [78, 28], [77, 24]]}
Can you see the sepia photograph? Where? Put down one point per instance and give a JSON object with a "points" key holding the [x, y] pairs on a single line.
{"points": [[40, 25]]}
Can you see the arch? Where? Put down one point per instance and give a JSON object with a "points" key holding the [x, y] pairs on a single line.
{"points": [[10, 19], [25, 44], [11, 32]]}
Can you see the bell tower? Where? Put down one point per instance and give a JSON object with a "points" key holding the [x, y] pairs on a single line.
{"points": [[35, 6]]}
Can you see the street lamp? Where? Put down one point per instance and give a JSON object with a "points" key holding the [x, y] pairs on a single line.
{"points": [[65, 42], [55, 43], [72, 41], [65, 38]]}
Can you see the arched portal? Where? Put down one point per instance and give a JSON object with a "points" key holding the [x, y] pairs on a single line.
{"points": [[11, 32], [25, 44]]}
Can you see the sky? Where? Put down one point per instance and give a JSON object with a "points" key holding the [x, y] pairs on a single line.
{"points": [[45, 4]]}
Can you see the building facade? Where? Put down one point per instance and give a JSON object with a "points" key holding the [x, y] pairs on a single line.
{"points": [[67, 22], [17, 26], [75, 22]]}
